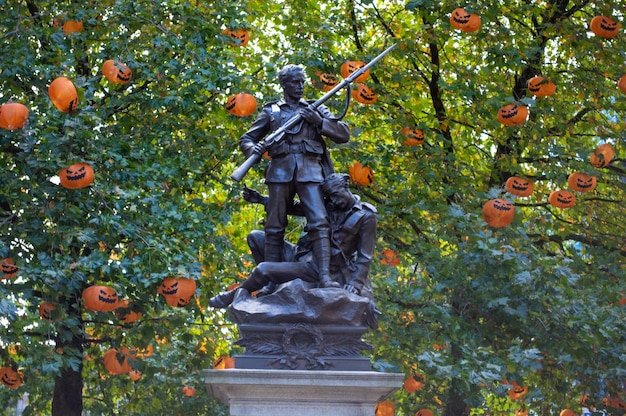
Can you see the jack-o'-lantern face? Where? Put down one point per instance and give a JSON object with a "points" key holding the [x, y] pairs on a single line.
{"points": [[10, 378], [602, 156], [582, 182], [519, 186], [464, 21], [100, 298], [414, 137], [541, 87], [513, 115], [8, 268], [241, 104], [498, 212], [604, 27], [347, 68], [76, 176], [117, 72], [46, 310], [364, 94], [362, 175], [329, 81], [177, 290], [517, 391], [239, 37], [63, 94], [177, 301], [562, 199]]}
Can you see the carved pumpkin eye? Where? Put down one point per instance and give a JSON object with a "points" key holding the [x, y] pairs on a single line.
{"points": [[582, 182], [519, 186], [117, 72], [364, 94], [498, 213], [464, 21], [513, 115], [8, 268], [541, 87], [347, 68], [602, 156], [562, 199], [414, 137], [604, 27], [10, 378], [76, 176], [241, 105]]}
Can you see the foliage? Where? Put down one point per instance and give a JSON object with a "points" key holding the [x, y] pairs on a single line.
{"points": [[470, 308]]}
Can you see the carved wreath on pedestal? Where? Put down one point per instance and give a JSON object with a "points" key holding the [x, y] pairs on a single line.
{"points": [[303, 343]]}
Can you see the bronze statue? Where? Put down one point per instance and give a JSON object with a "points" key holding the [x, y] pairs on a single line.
{"points": [[299, 163], [353, 237]]}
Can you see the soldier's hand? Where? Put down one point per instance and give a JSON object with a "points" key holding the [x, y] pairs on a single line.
{"points": [[251, 195], [312, 116], [351, 289], [259, 148]]}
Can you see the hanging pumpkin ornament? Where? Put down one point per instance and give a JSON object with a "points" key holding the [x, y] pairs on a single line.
{"points": [[364, 94], [602, 156], [464, 21], [604, 27], [348, 67], [46, 310], [327, 82], [241, 105], [72, 26], [239, 37], [360, 174], [11, 378], [582, 182], [390, 258], [189, 391], [498, 213], [567, 412], [224, 362], [76, 176], [414, 137], [385, 408], [411, 384], [63, 94], [562, 199], [125, 312], [177, 291], [117, 72], [8, 269], [135, 375], [621, 83], [519, 186], [13, 116], [513, 115], [117, 361], [516, 392], [100, 298], [541, 87], [424, 412]]}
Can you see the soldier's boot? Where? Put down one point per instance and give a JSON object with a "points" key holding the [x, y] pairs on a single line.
{"points": [[321, 251], [254, 282]]}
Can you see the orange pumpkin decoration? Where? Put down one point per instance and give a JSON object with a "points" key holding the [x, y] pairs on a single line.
{"points": [[516, 392], [13, 116], [385, 408], [498, 213], [327, 82], [72, 26], [360, 174], [11, 378], [100, 298], [513, 115], [414, 137], [621, 83], [364, 94], [241, 105], [390, 258], [177, 290], [541, 87], [125, 313], [464, 21], [189, 391], [602, 156], [562, 199], [135, 375], [46, 310], [224, 362], [604, 27], [117, 361], [411, 384], [239, 37], [348, 67], [521, 412], [8, 268], [117, 72], [567, 412], [519, 186], [63, 94], [76, 176], [424, 412], [582, 182]]}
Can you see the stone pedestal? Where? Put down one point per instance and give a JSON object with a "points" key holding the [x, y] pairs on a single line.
{"points": [[250, 392]]}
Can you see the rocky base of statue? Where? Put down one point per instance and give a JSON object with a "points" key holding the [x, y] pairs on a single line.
{"points": [[302, 327]]}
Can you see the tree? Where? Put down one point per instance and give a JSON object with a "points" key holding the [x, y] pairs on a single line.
{"points": [[474, 311]]}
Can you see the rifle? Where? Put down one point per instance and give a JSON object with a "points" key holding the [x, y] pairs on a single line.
{"points": [[279, 133]]}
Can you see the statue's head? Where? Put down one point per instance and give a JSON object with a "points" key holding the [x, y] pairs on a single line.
{"points": [[288, 72], [335, 181]]}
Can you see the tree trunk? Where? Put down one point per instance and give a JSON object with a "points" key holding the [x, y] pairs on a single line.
{"points": [[68, 393]]}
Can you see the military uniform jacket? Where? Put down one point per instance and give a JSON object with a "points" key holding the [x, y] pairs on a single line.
{"points": [[302, 154]]}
